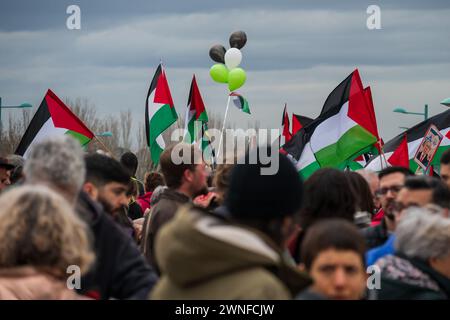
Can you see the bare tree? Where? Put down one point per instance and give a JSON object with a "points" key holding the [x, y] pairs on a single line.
{"points": [[143, 153], [119, 125], [86, 111], [10, 137], [126, 122]]}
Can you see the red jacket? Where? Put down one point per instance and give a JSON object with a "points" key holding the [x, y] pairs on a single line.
{"points": [[377, 218], [144, 201]]}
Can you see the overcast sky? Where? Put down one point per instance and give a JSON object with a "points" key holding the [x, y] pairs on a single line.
{"points": [[297, 52]]}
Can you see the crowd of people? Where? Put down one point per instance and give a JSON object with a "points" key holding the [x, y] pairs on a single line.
{"points": [[189, 232]]}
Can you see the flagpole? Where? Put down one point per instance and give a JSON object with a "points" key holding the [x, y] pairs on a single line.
{"points": [[382, 156], [104, 146], [223, 127], [205, 134]]}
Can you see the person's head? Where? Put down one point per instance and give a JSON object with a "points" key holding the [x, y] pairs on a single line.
{"points": [[106, 181], [445, 167], [419, 191], [184, 169], [58, 163], [392, 180], [425, 236], [132, 190], [152, 180], [16, 174], [39, 228], [426, 147], [130, 162], [373, 181], [364, 198], [265, 202], [333, 253], [5, 171], [221, 180], [328, 194]]}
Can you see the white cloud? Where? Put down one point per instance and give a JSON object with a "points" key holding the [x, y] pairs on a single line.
{"points": [[292, 56]]}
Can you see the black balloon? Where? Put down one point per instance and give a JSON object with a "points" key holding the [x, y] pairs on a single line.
{"points": [[238, 39], [217, 53]]}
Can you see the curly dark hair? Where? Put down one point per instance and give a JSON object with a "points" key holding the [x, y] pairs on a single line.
{"points": [[152, 180]]}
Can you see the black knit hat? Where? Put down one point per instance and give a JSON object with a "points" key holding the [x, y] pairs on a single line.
{"points": [[4, 163], [254, 195]]}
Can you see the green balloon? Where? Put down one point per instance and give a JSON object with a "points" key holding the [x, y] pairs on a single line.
{"points": [[236, 78], [219, 73]]}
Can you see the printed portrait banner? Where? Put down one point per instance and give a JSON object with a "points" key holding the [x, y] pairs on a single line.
{"points": [[428, 147]]}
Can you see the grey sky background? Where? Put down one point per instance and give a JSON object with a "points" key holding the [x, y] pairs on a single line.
{"points": [[297, 52]]}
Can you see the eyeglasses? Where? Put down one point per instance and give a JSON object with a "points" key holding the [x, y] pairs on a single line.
{"points": [[385, 190]]}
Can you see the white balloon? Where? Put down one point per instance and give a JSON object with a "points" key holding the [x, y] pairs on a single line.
{"points": [[233, 58]]}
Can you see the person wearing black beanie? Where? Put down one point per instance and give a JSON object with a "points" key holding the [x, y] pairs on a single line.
{"points": [[240, 254], [269, 203]]}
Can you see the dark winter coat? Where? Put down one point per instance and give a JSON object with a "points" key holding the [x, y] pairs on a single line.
{"points": [[405, 278], [161, 213], [205, 257], [119, 271]]}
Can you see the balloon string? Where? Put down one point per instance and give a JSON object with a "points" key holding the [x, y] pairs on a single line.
{"points": [[223, 128]]}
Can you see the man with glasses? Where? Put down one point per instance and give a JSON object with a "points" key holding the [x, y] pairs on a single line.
{"points": [[392, 180], [418, 191]]}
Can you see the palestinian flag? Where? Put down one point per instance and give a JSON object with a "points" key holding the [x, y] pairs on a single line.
{"points": [[372, 124], [361, 160], [299, 122], [285, 125], [400, 156], [307, 163], [433, 173], [342, 131], [414, 137], [195, 112], [240, 102], [53, 118], [159, 113]]}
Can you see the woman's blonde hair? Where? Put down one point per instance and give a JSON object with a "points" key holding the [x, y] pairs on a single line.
{"points": [[39, 228]]}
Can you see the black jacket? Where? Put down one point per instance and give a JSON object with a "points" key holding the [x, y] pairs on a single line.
{"points": [[119, 271], [376, 236], [134, 211]]}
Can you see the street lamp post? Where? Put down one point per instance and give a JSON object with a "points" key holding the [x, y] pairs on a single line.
{"points": [[424, 113], [105, 134], [23, 105], [446, 102]]}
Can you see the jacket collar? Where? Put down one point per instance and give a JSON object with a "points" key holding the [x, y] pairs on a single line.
{"points": [[88, 209], [172, 194], [442, 281], [254, 241]]}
